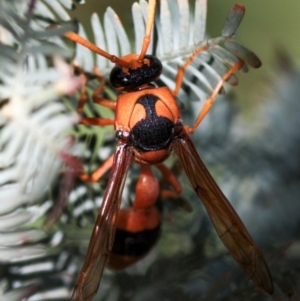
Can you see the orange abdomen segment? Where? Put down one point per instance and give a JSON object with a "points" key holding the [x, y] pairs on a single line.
{"points": [[136, 233]]}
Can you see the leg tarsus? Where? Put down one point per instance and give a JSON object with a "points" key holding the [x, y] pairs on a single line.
{"points": [[181, 69], [209, 102], [170, 177]]}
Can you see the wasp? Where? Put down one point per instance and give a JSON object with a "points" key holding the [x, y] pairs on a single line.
{"points": [[148, 128]]}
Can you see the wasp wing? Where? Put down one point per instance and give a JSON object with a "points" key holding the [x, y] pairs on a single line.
{"points": [[228, 224], [104, 230]]}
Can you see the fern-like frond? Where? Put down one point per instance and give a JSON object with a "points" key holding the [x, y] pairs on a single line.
{"points": [[34, 127], [180, 31]]}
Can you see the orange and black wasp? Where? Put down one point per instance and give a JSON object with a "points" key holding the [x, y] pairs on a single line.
{"points": [[148, 128]]}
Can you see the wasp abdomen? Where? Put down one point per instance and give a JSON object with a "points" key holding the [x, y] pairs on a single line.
{"points": [[130, 247], [137, 231]]}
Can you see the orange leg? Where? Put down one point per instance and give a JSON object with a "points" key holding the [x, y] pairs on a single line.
{"points": [[99, 172], [97, 121], [96, 99], [72, 36], [170, 177], [209, 102], [76, 38], [149, 26], [181, 69], [107, 103], [176, 192]]}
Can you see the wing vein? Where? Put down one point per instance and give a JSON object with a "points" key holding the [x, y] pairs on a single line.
{"points": [[104, 230], [227, 223]]}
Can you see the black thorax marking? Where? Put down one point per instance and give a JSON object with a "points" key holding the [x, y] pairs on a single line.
{"points": [[153, 132]]}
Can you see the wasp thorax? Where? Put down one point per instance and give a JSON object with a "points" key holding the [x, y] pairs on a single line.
{"points": [[127, 79], [154, 131]]}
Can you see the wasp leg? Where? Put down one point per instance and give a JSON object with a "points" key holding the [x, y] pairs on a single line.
{"points": [[107, 103], [74, 37], [149, 27], [96, 99], [99, 172], [171, 178], [210, 101], [174, 194], [181, 69], [97, 121]]}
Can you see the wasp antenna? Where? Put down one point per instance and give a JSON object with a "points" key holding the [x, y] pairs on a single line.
{"points": [[149, 26], [87, 44]]}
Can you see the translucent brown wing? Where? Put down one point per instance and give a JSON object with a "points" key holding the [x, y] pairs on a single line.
{"points": [[104, 230], [229, 226]]}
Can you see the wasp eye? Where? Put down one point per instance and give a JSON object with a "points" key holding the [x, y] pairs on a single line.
{"points": [[119, 135], [122, 135], [132, 79]]}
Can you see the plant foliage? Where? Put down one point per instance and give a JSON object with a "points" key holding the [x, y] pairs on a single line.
{"points": [[37, 118]]}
